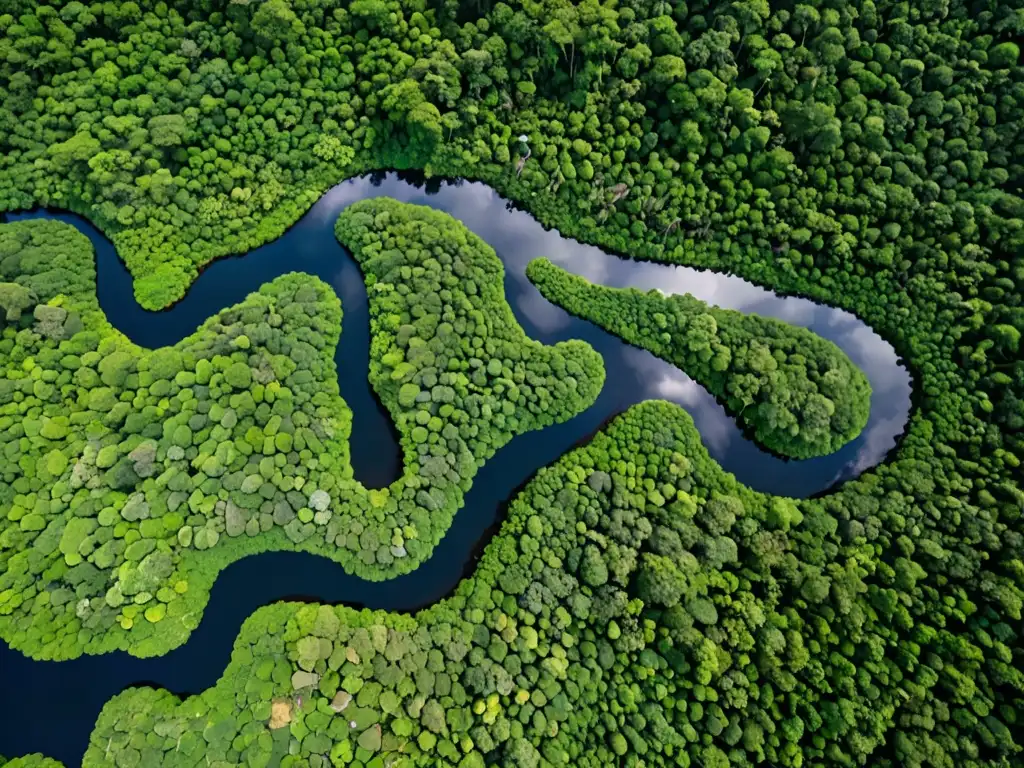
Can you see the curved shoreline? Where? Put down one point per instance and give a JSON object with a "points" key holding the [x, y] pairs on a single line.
{"points": [[309, 246], [253, 581]]}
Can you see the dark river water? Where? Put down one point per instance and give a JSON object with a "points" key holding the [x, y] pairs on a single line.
{"points": [[51, 707]]}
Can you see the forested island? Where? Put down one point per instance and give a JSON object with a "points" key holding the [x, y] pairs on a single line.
{"points": [[638, 605], [797, 392]]}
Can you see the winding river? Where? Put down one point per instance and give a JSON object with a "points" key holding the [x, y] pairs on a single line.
{"points": [[51, 707]]}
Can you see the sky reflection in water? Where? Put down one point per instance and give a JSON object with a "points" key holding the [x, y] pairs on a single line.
{"points": [[71, 693], [518, 238]]}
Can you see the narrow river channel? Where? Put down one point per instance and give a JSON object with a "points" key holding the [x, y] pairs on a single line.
{"points": [[51, 707]]}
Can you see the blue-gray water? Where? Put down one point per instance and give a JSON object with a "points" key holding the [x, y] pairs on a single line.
{"points": [[51, 707]]}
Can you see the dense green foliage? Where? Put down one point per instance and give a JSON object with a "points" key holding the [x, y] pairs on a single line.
{"points": [[30, 761], [446, 353], [118, 461], [846, 136], [864, 154], [130, 477], [637, 599], [797, 392]]}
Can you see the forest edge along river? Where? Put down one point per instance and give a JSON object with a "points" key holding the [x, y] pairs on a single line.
{"points": [[52, 706], [310, 246]]}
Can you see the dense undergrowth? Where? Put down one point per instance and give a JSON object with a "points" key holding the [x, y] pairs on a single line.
{"points": [[863, 154], [796, 392]]}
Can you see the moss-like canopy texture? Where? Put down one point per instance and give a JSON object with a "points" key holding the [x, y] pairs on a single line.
{"points": [[796, 392], [131, 477], [864, 154], [636, 599]]}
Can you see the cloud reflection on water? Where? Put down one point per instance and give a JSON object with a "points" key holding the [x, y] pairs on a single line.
{"points": [[519, 238], [633, 374]]}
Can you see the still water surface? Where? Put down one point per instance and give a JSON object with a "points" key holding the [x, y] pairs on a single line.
{"points": [[52, 707]]}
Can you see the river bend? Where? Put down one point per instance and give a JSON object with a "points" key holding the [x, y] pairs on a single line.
{"points": [[51, 707]]}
